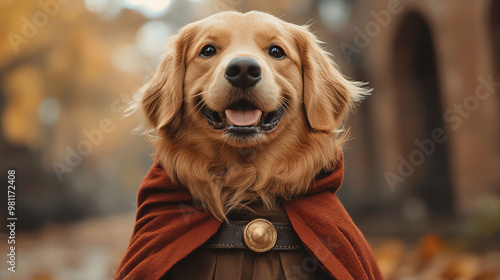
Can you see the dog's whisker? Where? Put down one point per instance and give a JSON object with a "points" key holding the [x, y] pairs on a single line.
{"points": [[190, 112], [199, 104], [193, 109], [199, 109], [198, 94]]}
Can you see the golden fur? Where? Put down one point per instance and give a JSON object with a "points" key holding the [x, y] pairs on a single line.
{"points": [[224, 173]]}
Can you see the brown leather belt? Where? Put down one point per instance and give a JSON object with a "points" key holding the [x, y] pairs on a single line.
{"points": [[258, 235]]}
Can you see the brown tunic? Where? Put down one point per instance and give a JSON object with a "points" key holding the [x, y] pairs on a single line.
{"points": [[242, 264]]}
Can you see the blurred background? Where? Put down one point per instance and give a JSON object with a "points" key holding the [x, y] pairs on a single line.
{"points": [[422, 170]]}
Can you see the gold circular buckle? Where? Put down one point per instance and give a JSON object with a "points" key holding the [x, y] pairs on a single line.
{"points": [[260, 235]]}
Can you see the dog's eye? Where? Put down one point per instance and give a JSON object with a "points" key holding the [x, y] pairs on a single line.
{"points": [[276, 52], [208, 51]]}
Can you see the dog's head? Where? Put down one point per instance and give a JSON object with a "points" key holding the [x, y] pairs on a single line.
{"points": [[244, 79], [246, 108]]}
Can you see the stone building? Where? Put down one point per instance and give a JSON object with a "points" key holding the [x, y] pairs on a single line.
{"points": [[430, 131]]}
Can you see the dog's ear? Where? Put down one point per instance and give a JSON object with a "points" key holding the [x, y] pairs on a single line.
{"points": [[161, 98], [327, 95]]}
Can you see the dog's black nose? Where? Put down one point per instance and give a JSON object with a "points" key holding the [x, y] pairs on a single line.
{"points": [[243, 72]]}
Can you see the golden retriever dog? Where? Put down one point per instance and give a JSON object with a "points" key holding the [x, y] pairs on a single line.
{"points": [[246, 107], [246, 112]]}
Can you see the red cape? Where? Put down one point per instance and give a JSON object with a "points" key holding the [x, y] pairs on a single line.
{"points": [[169, 226]]}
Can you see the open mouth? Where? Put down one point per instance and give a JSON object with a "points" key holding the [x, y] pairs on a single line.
{"points": [[243, 119]]}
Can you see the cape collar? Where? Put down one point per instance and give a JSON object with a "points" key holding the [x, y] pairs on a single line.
{"points": [[331, 180]]}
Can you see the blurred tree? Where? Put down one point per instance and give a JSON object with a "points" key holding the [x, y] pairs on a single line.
{"points": [[57, 84]]}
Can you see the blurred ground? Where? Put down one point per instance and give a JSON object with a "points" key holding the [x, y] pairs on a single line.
{"points": [[87, 250], [92, 250]]}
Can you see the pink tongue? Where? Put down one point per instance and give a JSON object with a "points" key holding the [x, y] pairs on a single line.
{"points": [[243, 117]]}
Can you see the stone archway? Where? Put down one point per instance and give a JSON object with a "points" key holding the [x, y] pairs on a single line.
{"points": [[420, 113]]}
